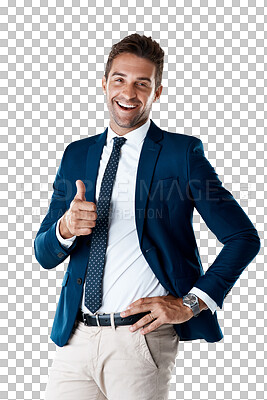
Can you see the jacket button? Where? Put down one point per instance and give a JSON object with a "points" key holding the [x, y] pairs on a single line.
{"points": [[79, 281], [60, 255]]}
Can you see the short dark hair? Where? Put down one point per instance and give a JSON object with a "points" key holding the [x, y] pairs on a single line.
{"points": [[141, 46]]}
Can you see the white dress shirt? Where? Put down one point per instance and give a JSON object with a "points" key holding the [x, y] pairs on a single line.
{"points": [[127, 275]]}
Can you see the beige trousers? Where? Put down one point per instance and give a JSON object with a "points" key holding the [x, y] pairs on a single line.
{"points": [[105, 362]]}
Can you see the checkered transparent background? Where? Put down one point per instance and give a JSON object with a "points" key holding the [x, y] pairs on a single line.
{"points": [[52, 61]]}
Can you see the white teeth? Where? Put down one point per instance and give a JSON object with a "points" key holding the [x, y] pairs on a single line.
{"points": [[126, 106]]}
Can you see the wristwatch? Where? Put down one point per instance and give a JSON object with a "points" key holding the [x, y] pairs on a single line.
{"points": [[190, 300]]}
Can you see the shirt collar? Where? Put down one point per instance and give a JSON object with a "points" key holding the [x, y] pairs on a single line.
{"points": [[135, 137]]}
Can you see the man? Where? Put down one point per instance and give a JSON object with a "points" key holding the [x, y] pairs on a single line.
{"points": [[122, 209]]}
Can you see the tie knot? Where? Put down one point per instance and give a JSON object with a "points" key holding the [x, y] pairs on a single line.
{"points": [[119, 141]]}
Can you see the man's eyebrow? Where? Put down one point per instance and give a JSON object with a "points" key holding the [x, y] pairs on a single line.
{"points": [[140, 78]]}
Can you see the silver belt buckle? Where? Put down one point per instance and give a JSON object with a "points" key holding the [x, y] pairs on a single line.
{"points": [[84, 320], [97, 320]]}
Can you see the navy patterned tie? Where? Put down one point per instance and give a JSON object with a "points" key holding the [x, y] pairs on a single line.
{"points": [[99, 235]]}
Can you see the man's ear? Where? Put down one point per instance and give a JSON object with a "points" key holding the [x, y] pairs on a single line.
{"points": [[104, 84], [158, 93]]}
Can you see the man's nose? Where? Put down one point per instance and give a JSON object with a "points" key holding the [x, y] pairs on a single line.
{"points": [[129, 92]]}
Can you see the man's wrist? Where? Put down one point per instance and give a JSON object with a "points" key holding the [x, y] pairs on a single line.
{"points": [[210, 303], [194, 304], [202, 305], [63, 230]]}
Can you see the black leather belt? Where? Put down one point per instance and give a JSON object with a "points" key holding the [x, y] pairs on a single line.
{"points": [[104, 319]]}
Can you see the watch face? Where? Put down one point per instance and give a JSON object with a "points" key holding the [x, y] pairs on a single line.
{"points": [[190, 299]]}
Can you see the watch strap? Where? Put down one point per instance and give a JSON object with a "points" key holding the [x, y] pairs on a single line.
{"points": [[195, 308]]}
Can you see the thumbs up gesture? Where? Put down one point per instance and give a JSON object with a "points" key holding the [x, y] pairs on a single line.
{"points": [[81, 216], [80, 195]]}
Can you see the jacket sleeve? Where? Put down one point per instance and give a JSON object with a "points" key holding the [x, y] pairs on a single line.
{"points": [[49, 252], [226, 219]]}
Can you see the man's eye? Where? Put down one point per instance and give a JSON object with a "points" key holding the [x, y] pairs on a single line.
{"points": [[140, 83]]}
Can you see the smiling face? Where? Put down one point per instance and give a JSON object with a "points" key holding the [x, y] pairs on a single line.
{"points": [[131, 82]]}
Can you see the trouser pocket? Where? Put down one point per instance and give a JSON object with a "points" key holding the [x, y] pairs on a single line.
{"points": [[159, 348]]}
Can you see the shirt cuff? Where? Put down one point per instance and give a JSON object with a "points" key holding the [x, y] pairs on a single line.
{"points": [[205, 297], [65, 242]]}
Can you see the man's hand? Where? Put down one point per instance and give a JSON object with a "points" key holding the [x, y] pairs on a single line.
{"points": [[164, 309], [81, 216]]}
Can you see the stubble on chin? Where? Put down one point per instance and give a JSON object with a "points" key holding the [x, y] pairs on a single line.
{"points": [[124, 123]]}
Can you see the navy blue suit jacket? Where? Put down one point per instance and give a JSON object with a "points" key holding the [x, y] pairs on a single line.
{"points": [[173, 178]]}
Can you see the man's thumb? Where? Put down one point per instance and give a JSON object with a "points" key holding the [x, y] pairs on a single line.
{"points": [[80, 195]]}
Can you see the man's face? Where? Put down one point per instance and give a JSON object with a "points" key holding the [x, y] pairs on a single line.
{"points": [[131, 82]]}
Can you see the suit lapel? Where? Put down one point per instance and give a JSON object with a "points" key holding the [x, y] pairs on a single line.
{"points": [[92, 165], [147, 162]]}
